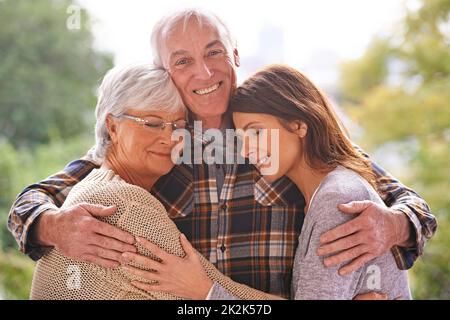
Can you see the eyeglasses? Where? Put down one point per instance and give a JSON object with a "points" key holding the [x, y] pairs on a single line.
{"points": [[154, 123]]}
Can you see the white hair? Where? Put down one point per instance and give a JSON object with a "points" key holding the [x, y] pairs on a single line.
{"points": [[139, 86], [165, 25]]}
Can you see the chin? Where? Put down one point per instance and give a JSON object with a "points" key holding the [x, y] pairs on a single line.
{"points": [[165, 169], [272, 178], [158, 172], [159, 167], [214, 112]]}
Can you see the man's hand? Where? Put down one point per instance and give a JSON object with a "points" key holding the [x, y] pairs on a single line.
{"points": [[374, 232], [77, 234]]}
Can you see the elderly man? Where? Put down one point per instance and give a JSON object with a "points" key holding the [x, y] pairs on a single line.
{"points": [[246, 227]]}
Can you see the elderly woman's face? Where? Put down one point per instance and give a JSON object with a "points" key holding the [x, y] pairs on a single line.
{"points": [[146, 151]]}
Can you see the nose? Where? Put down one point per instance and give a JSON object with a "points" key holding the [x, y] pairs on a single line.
{"points": [[165, 136], [204, 71], [245, 148]]}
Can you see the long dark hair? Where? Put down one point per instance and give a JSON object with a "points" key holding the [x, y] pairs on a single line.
{"points": [[287, 94]]}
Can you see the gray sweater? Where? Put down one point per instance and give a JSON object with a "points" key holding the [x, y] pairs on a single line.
{"points": [[311, 279]]}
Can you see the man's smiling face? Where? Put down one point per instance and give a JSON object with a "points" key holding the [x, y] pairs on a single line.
{"points": [[201, 68]]}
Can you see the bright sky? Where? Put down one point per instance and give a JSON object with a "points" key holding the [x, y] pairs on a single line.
{"points": [[311, 35]]}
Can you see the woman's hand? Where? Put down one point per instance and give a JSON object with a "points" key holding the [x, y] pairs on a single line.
{"points": [[183, 277]]}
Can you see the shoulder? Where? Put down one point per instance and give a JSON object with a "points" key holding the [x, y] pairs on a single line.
{"points": [[340, 186], [345, 184], [113, 192]]}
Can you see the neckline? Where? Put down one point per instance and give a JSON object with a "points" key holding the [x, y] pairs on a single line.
{"points": [[338, 168]]}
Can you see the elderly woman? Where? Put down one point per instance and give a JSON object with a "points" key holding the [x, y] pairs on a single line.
{"points": [[138, 108]]}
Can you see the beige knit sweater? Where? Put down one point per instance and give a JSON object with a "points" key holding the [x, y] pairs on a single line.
{"points": [[141, 214]]}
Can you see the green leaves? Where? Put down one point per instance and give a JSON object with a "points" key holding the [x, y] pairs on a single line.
{"points": [[48, 77], [48, 73], [399, 91]]}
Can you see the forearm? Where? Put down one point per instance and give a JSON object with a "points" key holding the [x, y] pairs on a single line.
{"points": [[22, 219], [38, 198], [415, 221], [407, 204], [225, 287], [405, 236], [41, 233]]}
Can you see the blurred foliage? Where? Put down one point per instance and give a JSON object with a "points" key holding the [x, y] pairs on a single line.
{"points": [[22, 167], [48, 73], [399, 90], [16, 273], [48, 77]]}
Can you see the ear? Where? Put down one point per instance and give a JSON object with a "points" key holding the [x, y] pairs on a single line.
{"points": [[111, 126], [237, 59], [300, 128]]}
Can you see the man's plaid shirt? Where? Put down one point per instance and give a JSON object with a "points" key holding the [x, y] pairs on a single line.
{"points": [[250, 231]]}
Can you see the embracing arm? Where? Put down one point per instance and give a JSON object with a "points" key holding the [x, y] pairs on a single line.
{"points": [[38, 223], [177, 267], [38, 198], [403, 227], [421, 222]]}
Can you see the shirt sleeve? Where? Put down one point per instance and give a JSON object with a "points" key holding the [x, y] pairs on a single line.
{"points": [[400, 198], [39, 197]]}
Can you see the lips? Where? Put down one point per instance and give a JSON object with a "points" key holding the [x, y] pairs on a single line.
{"points": [[264, 160], [207, 90]]}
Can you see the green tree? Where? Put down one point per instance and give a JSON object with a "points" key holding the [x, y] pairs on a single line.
{"points": [[399, 91], [48, 73], [48, 77], [9, 166]]}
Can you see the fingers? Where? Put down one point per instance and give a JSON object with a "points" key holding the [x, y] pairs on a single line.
{"points": [[110, 231], [187, 247], [105, 253], [112, 244], [97, 210], [341, 231], [141, 260], [157, 251], [151, 286], [340, 245], [356, 264], [105, 263], [146, 286], [148, 275], [355, 206], [345, 256]]}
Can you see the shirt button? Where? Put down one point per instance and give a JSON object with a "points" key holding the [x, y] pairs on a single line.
{"points": [[223, 206], [223, 248]]}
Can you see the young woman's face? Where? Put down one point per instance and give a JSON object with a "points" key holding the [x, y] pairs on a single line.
{"points": [[269, 145]]}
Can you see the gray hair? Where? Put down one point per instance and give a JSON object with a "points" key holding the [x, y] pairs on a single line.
{"points": [[165, 25], [140, 86]]}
